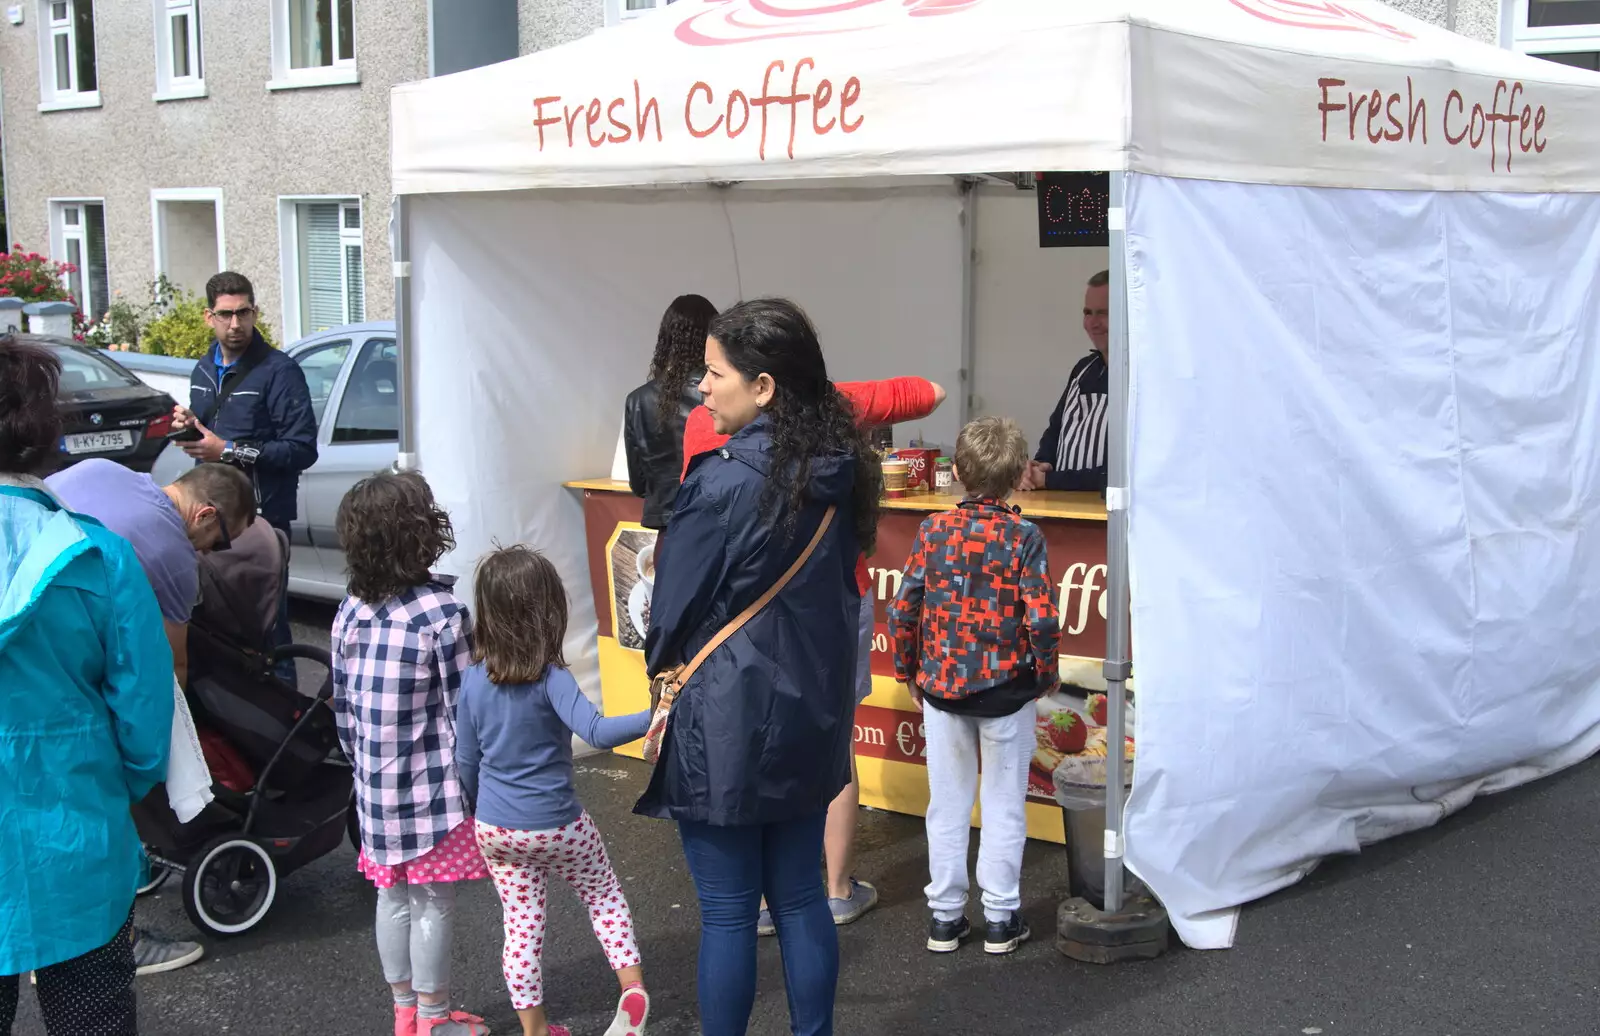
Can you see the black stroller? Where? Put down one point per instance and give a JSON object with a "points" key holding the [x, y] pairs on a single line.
{"points": [[289, 802]]}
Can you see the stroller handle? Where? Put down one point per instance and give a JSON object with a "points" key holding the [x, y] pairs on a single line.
{"points": [[310, 653]]}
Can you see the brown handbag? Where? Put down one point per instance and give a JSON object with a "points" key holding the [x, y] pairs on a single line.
{"points": [[664, 688]]}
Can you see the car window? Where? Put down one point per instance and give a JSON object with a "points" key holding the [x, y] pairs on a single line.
{"points": [[85, 372], [370, 409], [321, 365]]}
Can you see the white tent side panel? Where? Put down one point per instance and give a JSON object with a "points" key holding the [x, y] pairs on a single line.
{"points": [[1365, 522], [535, 314]]}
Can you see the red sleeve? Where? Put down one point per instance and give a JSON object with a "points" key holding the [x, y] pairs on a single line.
{"points": [[699, 436], [889, 401]]}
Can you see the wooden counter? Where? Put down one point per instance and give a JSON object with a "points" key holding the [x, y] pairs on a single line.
{"points": [[1086, 507], [888, 728]]}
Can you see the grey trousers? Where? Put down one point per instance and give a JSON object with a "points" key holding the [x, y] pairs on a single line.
{"points": [[414, 927]]}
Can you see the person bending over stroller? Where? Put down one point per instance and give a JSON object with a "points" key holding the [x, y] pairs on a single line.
{"points": [[169, 527]]}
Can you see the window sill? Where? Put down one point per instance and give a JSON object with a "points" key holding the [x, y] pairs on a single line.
{"points": [[72, 102], [306, 79], [181, 93]]}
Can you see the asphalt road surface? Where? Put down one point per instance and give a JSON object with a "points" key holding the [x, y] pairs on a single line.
{"points": [[1483, 926]]}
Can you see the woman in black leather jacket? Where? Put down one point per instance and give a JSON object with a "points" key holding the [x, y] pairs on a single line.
{"points": [[655, 412]]}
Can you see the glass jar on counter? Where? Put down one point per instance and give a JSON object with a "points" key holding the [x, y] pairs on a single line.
{"points": [[944, 475]]}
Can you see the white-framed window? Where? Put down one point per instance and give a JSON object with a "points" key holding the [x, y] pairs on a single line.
{"points": [[179, 73], [1566, 31], [68, 77], [619, 11], [324, 279], [313, 43], [190, 237], [78, 236]]}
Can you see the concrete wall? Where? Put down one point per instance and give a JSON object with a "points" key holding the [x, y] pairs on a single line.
{"points": [[542, 24], [1479, 19], [252, 143]]}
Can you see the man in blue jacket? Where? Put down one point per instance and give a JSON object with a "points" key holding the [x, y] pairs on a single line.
{"points": [[250, 403], [252, 408]]}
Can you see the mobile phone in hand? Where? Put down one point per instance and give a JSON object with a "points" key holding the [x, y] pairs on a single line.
{"points": [[188, 433]]}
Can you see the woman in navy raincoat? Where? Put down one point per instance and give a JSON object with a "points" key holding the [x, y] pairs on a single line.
{"points": [[759, 741], [85, 724]]}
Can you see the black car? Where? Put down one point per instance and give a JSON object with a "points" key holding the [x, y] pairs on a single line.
{"points": [[106, 411]]}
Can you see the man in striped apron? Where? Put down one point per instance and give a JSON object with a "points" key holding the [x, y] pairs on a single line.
{"points": [[1072, 454]]}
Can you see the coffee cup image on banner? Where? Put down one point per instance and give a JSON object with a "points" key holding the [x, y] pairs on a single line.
{"points": [[633, 577]]}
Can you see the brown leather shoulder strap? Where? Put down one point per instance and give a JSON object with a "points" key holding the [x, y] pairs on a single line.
{"points": [[682, 676]]}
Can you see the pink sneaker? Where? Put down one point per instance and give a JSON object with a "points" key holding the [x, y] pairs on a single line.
{"points": [[459, 1023], [405, 1021], [633, 1007]]}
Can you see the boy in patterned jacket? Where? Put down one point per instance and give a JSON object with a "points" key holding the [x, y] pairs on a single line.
{"points": [[975, 632]]}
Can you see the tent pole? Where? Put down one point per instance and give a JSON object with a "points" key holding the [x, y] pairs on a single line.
{"points": [[969, 294], [400, 251], [1118, 666]]}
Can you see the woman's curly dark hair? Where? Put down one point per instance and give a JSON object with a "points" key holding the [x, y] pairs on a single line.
{"points": [[680, 351], [809, 417], [30, 425], [392, 532]]}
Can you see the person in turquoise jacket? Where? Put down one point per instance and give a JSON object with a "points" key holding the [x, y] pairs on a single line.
{"points": [[85, 723]]}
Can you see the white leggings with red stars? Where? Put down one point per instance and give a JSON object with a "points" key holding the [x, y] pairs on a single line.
{"points": [[521, 863]]}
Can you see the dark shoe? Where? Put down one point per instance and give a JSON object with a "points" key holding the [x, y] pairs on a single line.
{"points": [[153, 954], [947, 936], [1005, 936]]}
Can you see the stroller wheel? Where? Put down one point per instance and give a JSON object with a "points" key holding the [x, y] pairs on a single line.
{"points": [[158, 877], [230, 886]]}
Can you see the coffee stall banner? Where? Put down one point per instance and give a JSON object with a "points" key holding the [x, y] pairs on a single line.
{"points": [[1310, 92], [888, 729]]}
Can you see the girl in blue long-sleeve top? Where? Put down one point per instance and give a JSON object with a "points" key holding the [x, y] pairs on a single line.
{"points": [[519, 709]]}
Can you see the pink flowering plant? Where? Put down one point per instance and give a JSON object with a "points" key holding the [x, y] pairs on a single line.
{"points": [[33, 277]]}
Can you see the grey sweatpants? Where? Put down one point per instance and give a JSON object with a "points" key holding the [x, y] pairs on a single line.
{"points": [[414, 927]]}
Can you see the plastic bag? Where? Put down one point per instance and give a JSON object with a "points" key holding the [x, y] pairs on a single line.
{"points": [[188, 778]]}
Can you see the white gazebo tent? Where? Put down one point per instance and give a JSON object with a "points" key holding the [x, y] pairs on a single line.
{"points": [[1356, 383]]}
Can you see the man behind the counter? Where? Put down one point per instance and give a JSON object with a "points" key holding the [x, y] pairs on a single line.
{"points": [[1072, 454]]}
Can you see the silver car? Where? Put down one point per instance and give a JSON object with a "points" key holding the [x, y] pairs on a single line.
{"points": [[353, 373]]}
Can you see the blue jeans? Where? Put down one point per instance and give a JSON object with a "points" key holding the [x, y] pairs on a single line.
{"points": [[733, 867]]}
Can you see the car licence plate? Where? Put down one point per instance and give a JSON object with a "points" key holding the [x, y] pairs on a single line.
{"points": [[97, 442]]}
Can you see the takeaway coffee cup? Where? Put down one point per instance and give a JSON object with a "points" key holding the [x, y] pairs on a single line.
{"points": [[895, 473]]}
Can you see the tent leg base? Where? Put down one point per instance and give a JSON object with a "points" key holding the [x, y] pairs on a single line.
{"points": [[1139, 931]]}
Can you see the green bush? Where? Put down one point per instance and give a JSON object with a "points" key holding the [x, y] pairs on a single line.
{"points": [[181, 329]]}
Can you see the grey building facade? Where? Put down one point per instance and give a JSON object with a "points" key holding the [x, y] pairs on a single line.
{"points": [[180, 137]]}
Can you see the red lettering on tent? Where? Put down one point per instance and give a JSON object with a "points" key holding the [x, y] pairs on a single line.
{"points": [[1506, 122], [646, 112], [688, 111], [847, 99], [1327, 107], [1419, 115]]}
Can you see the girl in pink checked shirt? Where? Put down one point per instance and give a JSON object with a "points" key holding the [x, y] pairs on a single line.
{"points": [[400, 645]]}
